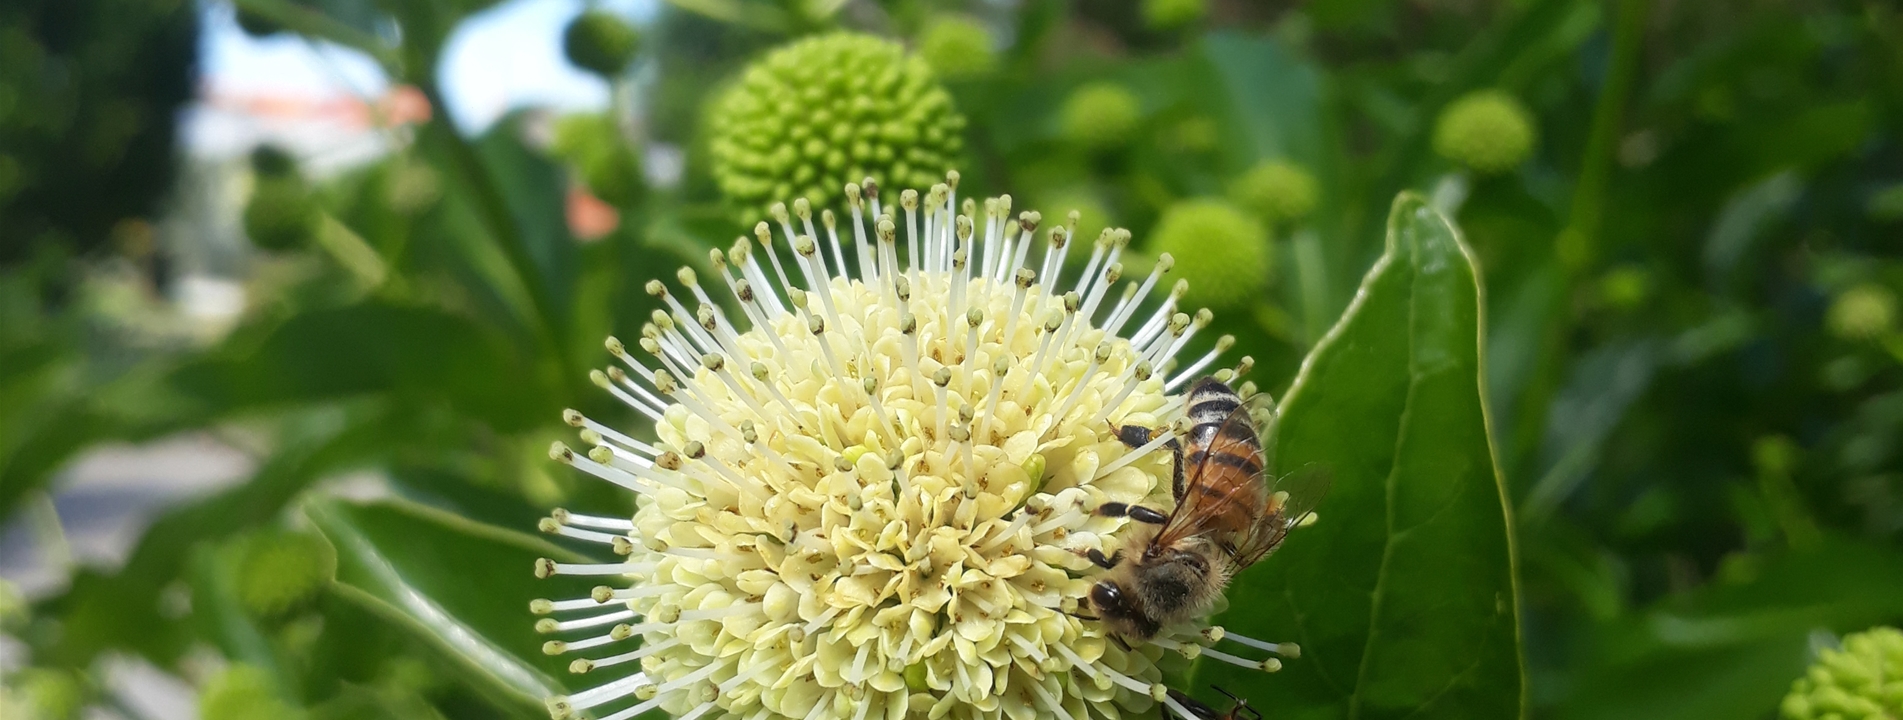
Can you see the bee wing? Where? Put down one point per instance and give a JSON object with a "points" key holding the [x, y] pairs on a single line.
{"points": [[1291, 501], [1200, 506]]}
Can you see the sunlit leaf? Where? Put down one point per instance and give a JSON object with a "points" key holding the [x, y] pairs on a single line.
{"points": [[1402, 595]]}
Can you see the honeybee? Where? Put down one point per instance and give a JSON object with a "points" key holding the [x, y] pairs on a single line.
{"points": [[1227, 515], [1198, 710]]}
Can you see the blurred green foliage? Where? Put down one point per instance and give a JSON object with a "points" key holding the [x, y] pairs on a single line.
{"points": [[1685, 218], [89, 94]]}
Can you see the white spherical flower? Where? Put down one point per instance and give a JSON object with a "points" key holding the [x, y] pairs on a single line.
{"points": [[873, 496]]}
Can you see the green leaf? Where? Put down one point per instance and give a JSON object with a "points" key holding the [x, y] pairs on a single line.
{"points": [[412, 353], [125, 609], [1402, 596], [1732, 650], [462, 587]]}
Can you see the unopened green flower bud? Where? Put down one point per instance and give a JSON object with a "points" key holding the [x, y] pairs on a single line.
{"points": [[1864, 312], [1488, 131], [1886, 205], [281, 570], [1219, 249], [957, 46], [271, 161], [43, 694], [282, 214], [1172, 14], [1276, 191], [243, 692], [828, 110], [600, 42], [1100, 115], [1863, 680], [1625, 287]]}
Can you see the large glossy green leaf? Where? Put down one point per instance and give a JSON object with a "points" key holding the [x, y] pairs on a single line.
{"points": [[1402, 595], [460, 586]]}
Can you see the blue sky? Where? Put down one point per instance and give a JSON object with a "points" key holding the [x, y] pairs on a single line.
{"points": [[507, 56]]}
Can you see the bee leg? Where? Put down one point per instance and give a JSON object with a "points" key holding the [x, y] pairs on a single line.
{"points": [[1097, 558], [1176, 469], [1133, 435], [1134, 512]]}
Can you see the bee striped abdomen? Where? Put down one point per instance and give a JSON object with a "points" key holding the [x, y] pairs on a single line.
{"points": [[1224, 456], [1233, 445]]}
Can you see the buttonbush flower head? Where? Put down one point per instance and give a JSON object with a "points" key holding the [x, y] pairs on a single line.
{"points": [[1487, 130], [1862, 681], [874, 473], [811, 116], [1863, 312], [1276, 190], [1100, 116], [957, 46], [1222, 252], [600, 42]]}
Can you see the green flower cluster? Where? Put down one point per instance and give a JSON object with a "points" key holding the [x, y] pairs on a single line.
{"points": [[1172, 14], [1222, 251], [600, 42], [825, 111], [42, 694], [1863, 681], [1100, 116], [1275, 190], [282, 213], [280, 571], [243, 692], [957, 46], [1864, 312], [1488, 131]]}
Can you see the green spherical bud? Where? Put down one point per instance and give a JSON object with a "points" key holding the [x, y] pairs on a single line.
{"points": [[600, 42], [1218, 248], [829, 110], [273, 162], [603, 158], [1886, 205], [280, 571], [256, 25], [957, 46], [243, 692], [1487, 131], [1100, 115], [1275, 190], [1863, 680], [282, 214], [1172, 14], [43, 694], [1625, 287], [1864, 312]]}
